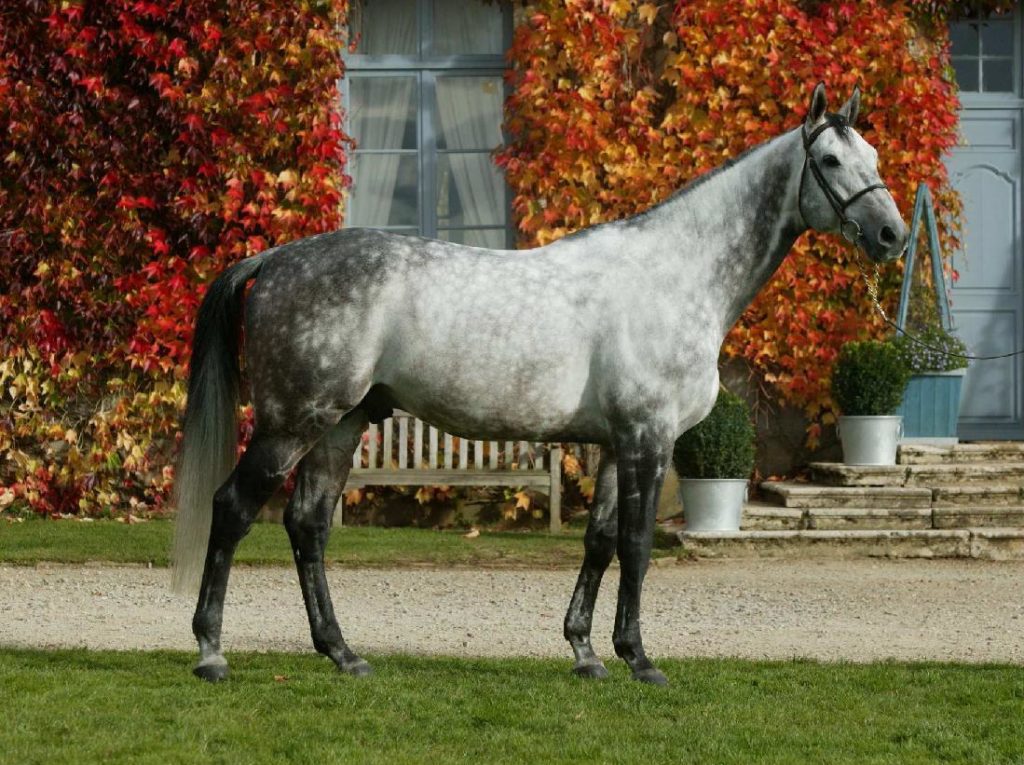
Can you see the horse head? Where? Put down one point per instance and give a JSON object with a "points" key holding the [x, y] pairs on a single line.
{"points": [[840, 189]]}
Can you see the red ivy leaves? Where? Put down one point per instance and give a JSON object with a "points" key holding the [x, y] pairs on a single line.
{"points": [[141, 151]]}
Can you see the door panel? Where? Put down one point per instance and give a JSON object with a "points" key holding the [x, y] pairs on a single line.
{"points": [[987, 260], [988, 298], [990, 392]]}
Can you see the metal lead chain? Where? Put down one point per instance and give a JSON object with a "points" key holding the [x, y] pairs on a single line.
{"points": [[871, 282]]}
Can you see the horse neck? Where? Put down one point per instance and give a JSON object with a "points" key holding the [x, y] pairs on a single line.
{"points": [[723, 238]]}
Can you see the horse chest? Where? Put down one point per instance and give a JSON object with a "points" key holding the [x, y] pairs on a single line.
{"points": [[662, 379]]}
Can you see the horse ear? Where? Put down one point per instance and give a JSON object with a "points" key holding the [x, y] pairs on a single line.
{"points": [[819, 103], [850, 109]]}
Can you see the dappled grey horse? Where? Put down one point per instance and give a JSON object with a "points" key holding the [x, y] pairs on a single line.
{"points": [[621, 348]]}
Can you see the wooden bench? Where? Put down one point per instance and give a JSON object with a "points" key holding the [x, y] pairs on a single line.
{"points": [[405, 451]]}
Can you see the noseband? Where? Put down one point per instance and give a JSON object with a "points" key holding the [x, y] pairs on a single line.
{"points": [[850, 228]]}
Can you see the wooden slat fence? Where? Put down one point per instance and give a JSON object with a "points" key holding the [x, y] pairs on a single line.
{"points": [[406, 458]]}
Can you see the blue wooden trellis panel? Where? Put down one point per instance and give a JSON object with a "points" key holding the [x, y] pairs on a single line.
{"points": [[925, 208]]}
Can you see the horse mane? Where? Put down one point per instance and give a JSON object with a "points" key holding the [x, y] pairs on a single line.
{"points": [[837, 121], [696, 183]]}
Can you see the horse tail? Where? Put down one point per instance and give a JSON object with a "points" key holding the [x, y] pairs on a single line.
{"points": [[210, 426]]}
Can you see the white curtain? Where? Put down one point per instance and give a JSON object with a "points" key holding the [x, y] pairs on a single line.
{"points": [[379, 109], [385, 26], [467, 26], [470, 113]]}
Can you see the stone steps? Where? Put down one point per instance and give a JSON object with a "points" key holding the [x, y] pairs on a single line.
{"points": [[983, 494], [962, 501], [765, 517], [978, 543], [871, 518], [807, 495], [927, 475], [964, 516], [985, 451]]}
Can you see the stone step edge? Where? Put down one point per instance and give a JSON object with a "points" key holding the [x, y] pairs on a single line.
{"points": [[979, 543], [953, 508], [976, 488], [806, 496], [926, 467], [758, 509], [912, 476], [939, 517], [926, 454], [791, 494]]}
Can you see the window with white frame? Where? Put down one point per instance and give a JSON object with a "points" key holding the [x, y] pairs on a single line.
{"points": [[983, 50], [423, 96]]}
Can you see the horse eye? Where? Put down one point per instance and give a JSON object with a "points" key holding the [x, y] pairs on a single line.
{"points": [[830, 160]]}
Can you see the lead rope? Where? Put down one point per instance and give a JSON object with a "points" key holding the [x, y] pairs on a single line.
{"points": [[871, 281]]}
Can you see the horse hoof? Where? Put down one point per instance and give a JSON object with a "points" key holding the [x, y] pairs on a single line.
{"points": [[360, 668], [591, 671], [212, 670], [651, 676]]}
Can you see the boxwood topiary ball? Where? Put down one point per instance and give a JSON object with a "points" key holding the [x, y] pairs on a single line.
{"points": [[721, 445], [869, 378]]}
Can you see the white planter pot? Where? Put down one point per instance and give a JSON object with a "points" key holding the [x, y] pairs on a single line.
{"points": [[870, 440], [712, 504]]}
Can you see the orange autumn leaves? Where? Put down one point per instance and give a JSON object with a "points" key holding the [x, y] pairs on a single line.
{"points": [[616, 104]]}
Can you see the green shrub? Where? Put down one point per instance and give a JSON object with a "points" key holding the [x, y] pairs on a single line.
{"points": [[869, 378], [720, 446], [931, 353]]}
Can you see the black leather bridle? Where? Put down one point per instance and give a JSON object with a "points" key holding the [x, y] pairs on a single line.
{"points": [[849, 228]]}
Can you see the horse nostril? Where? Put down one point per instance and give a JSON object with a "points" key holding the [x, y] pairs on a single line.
{"points": [[887, 236]]}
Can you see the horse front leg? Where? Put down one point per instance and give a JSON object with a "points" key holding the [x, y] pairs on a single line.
{"points": [[599, 546], [641, 472], [319, 484]]}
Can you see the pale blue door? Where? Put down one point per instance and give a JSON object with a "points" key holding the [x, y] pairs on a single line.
{"points": [[987, 169]]}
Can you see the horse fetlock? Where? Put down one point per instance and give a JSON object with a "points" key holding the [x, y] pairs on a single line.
{"points": [[330, 643], [631, 652], [206, 628], [576, 629], [587, 665], [579, 640], [641, 667]]}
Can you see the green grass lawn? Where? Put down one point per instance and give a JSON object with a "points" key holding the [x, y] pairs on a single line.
{"points": [[83, 706], [100, 706], [33, 541]]}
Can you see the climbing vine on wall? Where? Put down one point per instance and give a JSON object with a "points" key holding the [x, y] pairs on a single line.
{"points": [[616, 103], [145, 146]]}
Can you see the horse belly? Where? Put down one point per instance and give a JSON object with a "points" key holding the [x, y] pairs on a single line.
{"points": [[493, 395]]}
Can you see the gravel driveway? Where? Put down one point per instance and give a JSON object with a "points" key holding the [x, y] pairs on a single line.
{"points": [[854, 610]]}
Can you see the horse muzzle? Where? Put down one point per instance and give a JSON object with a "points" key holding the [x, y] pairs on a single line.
{"points": [[884, 243]]}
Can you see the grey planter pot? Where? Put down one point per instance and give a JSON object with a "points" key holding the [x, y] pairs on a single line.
{"points": [[870, 440], [712, 504]]}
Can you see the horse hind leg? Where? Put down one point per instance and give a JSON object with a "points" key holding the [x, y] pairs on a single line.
{"points": [[599, 544], [261, 470], [319, 484]]}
